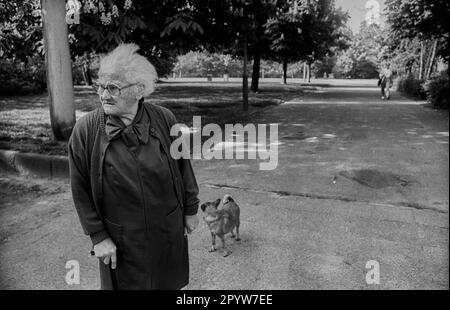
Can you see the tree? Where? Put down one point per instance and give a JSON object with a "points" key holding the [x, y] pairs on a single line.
{"points": [[409, 56], [419, 33], [21, 32], [162, 29], [289, 38], [421, 19], [324, 66], [21, 47], [59, 73], [227, 28], [327, 31], [170, 28], [306, 30], [20, 29], [262, 11], [367, 51]]}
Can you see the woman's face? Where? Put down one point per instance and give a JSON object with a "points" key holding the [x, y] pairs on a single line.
{"points": [[115, 100]]}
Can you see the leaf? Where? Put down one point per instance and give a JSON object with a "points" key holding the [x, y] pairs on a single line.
{"points": [[183, 26], [197, 27]]}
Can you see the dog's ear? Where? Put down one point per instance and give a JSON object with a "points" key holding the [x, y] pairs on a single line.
{"points": [[217, 202], [226, 199]]}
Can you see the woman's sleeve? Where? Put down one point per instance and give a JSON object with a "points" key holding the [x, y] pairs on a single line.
{"points": [[190, 185], [191, 200], [81, 189]]}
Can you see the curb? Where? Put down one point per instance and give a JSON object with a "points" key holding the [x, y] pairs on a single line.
{"points": [[48, 166]]}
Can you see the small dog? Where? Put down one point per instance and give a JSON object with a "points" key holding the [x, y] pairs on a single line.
{"points": [[222, 220]]}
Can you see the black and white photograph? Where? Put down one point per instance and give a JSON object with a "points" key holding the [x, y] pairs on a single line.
{"points": [[226, 146]]}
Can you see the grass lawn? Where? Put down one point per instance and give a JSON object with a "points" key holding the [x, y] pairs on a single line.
{"points": [[25, 120]]}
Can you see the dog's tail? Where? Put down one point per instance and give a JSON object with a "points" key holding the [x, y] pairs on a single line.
{"points": [[226, 199]]}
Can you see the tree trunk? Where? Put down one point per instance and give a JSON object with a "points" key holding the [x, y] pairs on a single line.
{"points": [[256, 68], [304, 72], [87, 73], [256, 51], [431, 62], [59, 70], [421, 61], [86, 64], [244, 75], [285, 63], [427, 58], [309, 72]]}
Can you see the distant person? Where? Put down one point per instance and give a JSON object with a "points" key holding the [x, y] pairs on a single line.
{"points": [[133, 199], [385, 82]]}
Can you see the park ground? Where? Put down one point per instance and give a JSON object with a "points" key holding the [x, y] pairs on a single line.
{"points": [[358, 179]]}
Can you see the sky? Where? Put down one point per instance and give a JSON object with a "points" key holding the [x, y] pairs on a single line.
{"points": [[357, 11]]}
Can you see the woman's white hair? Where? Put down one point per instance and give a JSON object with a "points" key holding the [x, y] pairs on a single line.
{"points": [[123, 61]]}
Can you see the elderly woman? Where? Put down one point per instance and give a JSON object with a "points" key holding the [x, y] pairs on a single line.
{"points": [[133, 199]]}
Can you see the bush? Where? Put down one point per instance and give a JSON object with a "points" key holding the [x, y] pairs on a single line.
{"points": [[412, 87], [77, 75], [437, 90], [202, 64], [364, 69], [163, 66], [77, 68], [22, 77]]}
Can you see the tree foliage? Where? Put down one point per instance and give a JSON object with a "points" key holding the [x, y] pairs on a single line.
{"points": [[367, 51], [306, 30], [419, 35], [288, 30], [198, 64], [20, 29], [21, 48], [162, 29], [420, 19]]}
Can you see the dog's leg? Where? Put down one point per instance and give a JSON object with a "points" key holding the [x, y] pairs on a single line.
{"points": [[226, 252], [213, 240], [237, 233]]}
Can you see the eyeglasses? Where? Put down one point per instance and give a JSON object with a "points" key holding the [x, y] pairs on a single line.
{"points": [[113, 89]]}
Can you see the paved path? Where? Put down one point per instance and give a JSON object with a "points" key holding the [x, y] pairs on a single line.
{"points": [[358, 179]]}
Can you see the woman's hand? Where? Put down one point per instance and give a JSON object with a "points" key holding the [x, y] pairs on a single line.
{"points": [[107, 252], [191, 223]]}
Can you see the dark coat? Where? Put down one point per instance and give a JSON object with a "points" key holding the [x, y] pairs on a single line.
{"points": [[87, 148]]}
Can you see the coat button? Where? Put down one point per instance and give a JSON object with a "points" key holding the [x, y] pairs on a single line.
{"points": [[152, 130]]}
